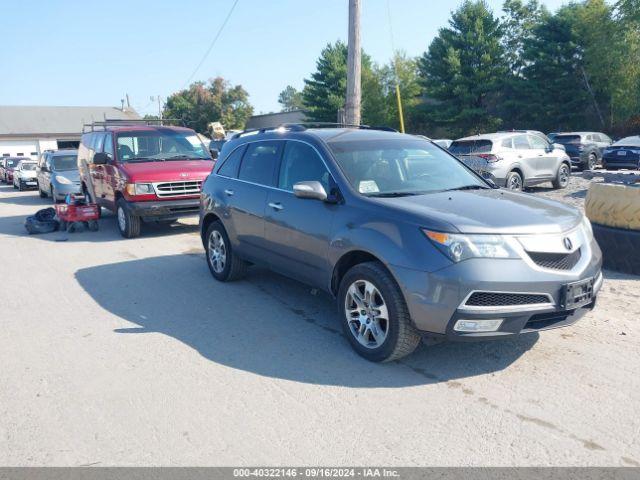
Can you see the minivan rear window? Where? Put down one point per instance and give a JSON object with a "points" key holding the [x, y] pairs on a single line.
{"points": [[466, 147], [567, 139]]}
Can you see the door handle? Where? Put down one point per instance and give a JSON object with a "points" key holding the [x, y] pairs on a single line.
{"points": [[229, 192], [276, 206]]}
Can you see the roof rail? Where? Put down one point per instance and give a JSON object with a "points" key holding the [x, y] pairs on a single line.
{"points": [[111, 122], [302, 126]]}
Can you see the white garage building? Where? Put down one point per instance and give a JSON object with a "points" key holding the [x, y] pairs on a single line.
{"points": [[28, 131]]}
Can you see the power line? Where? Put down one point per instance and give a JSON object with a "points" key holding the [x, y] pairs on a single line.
{"points": [[215, 39]]}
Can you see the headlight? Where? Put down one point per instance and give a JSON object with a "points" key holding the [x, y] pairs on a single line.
{"points": [[140, 189], [586, 224], [459, 247], [63, 180]]}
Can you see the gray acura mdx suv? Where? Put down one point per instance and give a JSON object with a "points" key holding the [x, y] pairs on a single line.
{"points": [[411, 241]]}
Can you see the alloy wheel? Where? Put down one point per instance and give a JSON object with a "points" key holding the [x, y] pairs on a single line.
{"points": [[367, 314], [592, 161], [563, 176], [515, 183], [122, 219], [217, 251]]}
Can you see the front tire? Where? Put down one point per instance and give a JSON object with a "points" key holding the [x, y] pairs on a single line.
{"points": [[376, 319], [562, 177], [223, 263], [128, 224]]}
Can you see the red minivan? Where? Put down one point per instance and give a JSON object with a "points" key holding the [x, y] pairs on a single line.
{"points": [[143, 172]]}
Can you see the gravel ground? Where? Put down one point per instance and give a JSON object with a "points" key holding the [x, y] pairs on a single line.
{"points": [[125, 352]]}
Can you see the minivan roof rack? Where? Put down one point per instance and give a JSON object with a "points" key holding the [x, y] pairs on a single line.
{"points": [[302, 126], [119, 122]]}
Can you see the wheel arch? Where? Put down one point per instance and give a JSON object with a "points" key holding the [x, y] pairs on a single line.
{"points": [[349, 260], [207, 220]]}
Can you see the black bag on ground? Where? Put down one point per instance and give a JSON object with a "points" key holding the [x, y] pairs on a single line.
{"points": [[42, 222]]}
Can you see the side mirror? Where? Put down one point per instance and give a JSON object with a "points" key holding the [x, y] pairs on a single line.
{"points": [[313, 190], [101, 158], [214, 153]]}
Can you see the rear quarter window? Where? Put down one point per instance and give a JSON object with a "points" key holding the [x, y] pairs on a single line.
{"points": [[231, 164]]}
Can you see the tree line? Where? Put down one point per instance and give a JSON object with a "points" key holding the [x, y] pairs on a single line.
{"points": [[529, 68], [524, 68]]}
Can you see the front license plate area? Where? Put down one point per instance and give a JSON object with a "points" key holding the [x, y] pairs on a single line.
{"points": [[577, 294], [622, 153]]}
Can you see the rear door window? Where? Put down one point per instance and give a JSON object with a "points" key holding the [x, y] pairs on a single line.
{"points": [[521, 142], [468, 147], [507, 143], [537, 142], [259, 162]]}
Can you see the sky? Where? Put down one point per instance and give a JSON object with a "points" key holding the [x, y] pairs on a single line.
{"points": [[74, 52]]}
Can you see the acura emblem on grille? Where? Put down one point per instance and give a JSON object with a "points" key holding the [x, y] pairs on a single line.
{"points": [[567, 243]]}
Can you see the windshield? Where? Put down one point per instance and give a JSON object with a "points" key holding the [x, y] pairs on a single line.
{"points": [[401, 167], [65, 163], [160, 145], [12, 163], [467, 147], [567, 139], [28, 166]]}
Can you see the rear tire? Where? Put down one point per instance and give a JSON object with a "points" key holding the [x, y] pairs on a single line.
{"points": [[592, 161], [128, 224], [514, 182], [223, 263], [562, 177], [370, 288]]}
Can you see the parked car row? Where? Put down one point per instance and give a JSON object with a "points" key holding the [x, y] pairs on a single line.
{"points": [[411, 240]]}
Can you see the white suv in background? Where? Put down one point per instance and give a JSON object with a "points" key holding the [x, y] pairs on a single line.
{"points": [[515, 160]]}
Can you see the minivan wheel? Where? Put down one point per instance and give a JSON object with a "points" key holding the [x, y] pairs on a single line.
{"points": [[128, 224], [562, 177], [376, 319], [224, 264], [514, 181]]}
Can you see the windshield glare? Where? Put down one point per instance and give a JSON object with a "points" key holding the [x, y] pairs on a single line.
{"points": [[28, 166], [12, 163], [403, 166], [65, 163], [160, 145]]}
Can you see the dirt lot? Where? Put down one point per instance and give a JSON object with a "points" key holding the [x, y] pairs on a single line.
{"points": [[125, 352]]}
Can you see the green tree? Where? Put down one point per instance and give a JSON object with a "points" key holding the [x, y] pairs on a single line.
{"points": [[554, 94], [290, 99], [461, 70], [518, 23], [325, 92], [403, 71], [213, 101]]}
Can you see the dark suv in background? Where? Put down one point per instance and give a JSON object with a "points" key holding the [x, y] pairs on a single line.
{"points": [[409, 240], [143, 172], [585, 149]]}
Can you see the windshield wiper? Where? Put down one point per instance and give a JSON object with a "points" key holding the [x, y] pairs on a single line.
{"points": [[184, 157], [393, 194], [467, 187], [144, 159]]}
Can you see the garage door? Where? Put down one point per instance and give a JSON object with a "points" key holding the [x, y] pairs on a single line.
{"points": [[18, 148]]}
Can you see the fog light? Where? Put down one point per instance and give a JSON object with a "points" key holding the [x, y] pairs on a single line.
{"points": [[478, 325]]}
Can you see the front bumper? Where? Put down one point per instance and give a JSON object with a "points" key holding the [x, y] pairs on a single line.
{"points": [[436, 300], [165, 208], [62, 190], [31, 182]]}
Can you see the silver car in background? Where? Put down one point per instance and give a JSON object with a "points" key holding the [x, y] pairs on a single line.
{"points": [[58, 174], [515, 160], [24, 175]]}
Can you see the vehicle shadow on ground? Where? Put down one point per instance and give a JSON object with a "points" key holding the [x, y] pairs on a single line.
{"points": [[269, 325], [27, 197]]}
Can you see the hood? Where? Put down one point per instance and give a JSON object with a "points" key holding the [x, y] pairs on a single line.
{"points": [[171, 170], [28, 173], [486, 211]]}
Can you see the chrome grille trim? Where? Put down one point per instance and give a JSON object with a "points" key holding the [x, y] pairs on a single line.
{"points": [[177, 188]]}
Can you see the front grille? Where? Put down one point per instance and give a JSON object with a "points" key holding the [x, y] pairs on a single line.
{"points": [[178, 189], [495, 299], [556, 261]]}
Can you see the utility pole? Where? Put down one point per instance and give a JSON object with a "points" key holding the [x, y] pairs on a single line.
{"points": [[158, 98], [354, 66]]}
